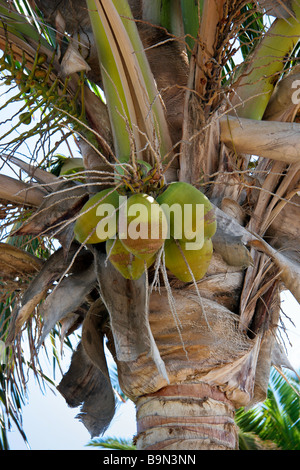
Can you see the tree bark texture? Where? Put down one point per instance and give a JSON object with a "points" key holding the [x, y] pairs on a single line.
{"points": [[186, 417]]}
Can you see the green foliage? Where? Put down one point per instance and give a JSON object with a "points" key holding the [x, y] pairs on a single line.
{"points": [[277, 420], [12, 399], [40, 99], [112, 443], [251, 29], [46, 104], [191, 21], [12, 376]]}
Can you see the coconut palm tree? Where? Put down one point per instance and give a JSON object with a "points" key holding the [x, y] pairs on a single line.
{"points": [[202, 93]]}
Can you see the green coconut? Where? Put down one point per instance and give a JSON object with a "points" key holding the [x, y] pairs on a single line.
{"points": [[98, 221], [143, 226], [125, 262], [178, 260], [179, 201]]}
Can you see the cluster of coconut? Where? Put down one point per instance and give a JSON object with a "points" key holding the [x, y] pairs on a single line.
{"points": [[178, 223]]}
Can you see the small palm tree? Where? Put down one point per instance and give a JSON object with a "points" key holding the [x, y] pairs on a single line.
{"points": [[155, 95]]}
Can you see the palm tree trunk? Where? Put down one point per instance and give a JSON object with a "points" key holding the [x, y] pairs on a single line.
{"points": [[192, 416], [210, 374]]}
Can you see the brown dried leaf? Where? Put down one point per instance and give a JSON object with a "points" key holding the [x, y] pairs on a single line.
{"points": [[18, 192], [16, 262], [41, 176], [65, 298], [73, 61], [278, 8], [55, 210], [92, 335], [37, 290], [87, 386], [289, 269]]}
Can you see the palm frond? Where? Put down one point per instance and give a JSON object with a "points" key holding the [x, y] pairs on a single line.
{"points": [[277, 419], [112, 443]]}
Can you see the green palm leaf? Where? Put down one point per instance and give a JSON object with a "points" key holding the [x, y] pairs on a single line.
{"points": [[277, 420], [112, 443]]}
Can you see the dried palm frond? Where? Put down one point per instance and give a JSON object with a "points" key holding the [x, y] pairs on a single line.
{"points": [[278, 8]]}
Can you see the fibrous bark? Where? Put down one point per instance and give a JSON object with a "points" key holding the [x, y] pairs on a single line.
{"points": [[186, 417]]}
